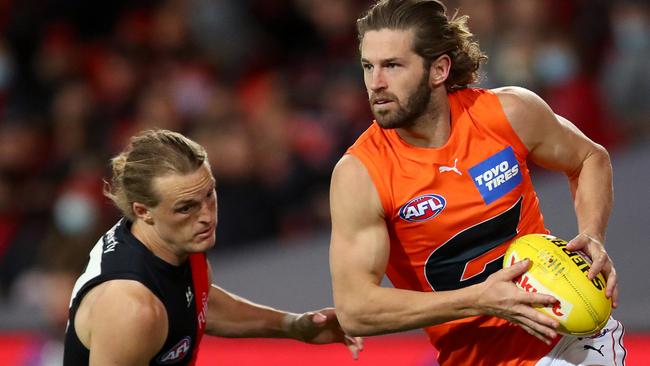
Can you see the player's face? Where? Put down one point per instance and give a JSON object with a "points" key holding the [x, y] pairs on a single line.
{"points": [[186, 217], [395, 77]]}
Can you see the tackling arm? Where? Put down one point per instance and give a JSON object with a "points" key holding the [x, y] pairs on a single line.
{"points": [[358, 257], [230, 315]]}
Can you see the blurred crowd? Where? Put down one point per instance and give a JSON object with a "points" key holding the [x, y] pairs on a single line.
{"points": [[272, 89]]}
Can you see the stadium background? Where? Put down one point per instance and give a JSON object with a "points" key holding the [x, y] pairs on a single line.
{"points": [[273, 89]]}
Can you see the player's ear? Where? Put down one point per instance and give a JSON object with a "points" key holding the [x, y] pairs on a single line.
{"points": [[142, 212], [439, 70]]}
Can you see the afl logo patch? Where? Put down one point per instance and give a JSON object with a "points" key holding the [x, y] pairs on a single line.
{"points": [[422, 208], [176, 353]]}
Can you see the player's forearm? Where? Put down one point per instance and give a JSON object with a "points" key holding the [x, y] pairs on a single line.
{"points": [[232, 316], [592, 190], [378, 310]]}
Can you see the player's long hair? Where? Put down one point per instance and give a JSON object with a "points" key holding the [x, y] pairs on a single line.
{"points": [[435, 35], [150, 154]]}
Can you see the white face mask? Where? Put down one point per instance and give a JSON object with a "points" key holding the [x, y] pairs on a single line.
{"points": [[75, 213]]}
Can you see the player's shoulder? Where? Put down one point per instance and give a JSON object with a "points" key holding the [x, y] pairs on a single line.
{"points": [[351, 168], [128, 298], [353, 194], [351, 179], [515, 94], [522, 106], [518, 99], [122, 316]]}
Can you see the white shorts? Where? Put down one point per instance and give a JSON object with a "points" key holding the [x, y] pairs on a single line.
{"points": [[605, 348]]}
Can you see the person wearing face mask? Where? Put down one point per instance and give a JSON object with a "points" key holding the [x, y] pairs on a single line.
{"points": [[145, 297], [626, 69], [434, 191], [572, 93]]}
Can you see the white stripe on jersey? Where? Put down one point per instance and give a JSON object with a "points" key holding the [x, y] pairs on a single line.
{"points": [[94, 267]]}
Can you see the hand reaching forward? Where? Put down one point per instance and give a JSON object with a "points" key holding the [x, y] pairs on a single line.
{"points": [[501, 298], [321, 327], [601, 262]]}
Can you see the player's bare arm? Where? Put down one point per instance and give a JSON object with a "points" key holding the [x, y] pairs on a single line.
{"points": [[121, 322], [232, 316], [358, 257], [555, 143]]}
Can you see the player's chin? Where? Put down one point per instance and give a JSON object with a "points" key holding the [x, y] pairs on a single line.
{"points": [[382, 111], [386, 122], [201, 244]]}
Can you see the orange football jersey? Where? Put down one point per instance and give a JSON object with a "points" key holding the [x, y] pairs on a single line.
{"points": [[451, 212]]}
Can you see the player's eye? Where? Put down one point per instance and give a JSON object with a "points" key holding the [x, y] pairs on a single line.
{"points": [[185, 209]]}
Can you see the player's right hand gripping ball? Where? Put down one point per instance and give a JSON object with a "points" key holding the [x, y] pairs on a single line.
{"points": [[583, 308]]}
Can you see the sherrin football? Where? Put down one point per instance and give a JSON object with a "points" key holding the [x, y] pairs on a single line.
{"points": [[583, 308]]}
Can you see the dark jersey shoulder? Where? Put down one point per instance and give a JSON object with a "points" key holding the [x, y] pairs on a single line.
{"points": [[119, 255]]}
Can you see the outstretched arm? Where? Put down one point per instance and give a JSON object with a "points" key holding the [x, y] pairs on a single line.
{"points": [[232, 316], [555, 143], [358, 258]]}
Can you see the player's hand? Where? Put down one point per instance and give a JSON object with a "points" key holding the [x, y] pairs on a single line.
{"points": [[322, 326], [601, 262], [500, 297]]}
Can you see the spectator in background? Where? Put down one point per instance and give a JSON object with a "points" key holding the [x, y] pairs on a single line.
{"points": [[571, 93], [6, 73], [27, 195], [626, 75]]}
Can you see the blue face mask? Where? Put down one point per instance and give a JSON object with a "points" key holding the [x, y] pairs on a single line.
{"points": [[555, 65], [74, 214], [631, 34], [6, 71]]}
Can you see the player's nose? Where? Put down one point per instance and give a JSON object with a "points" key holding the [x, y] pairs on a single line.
{"points": [[377, 80]]}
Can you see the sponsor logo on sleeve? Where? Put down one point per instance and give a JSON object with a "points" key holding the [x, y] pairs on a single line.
{"points": [[497, 175], [422, 208]]}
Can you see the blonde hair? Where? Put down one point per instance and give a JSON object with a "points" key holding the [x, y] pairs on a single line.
{"points": [[435, 35], [150, 154]]}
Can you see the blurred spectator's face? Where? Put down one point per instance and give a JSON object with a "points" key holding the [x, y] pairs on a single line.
{"points": [[396, 81], [186, 217], [20, 146]]}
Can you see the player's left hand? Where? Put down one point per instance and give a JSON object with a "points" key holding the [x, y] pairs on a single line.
{"points": [[595, 249], [322, 326]]}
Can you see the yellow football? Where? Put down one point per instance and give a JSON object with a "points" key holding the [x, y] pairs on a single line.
{"points": [[583, 308]]}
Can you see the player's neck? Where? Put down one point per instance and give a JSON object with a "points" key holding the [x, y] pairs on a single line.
{"points": [[148, 236], [433, 128]]}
